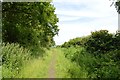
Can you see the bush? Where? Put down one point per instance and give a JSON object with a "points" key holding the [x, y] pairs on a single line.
{"points": [[36, 51], [79, 41], [114, 55], [102, 66], [100, 42], [13, 57], [75, 71], [116, 41], [106, 66], [98, 54]]}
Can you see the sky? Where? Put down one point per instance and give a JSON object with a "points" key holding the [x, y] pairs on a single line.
{"points": [[79, 18]]}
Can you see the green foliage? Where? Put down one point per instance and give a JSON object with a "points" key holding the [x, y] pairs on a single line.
{"points": [[102, 42], [99, 42], [65, 68], [27, 29], [114, 55], [116, 41], [29, 24], [98, 54], [80, 41], [103, 66], [13, 57], [37, 67], [117, 5], [96, 43]]}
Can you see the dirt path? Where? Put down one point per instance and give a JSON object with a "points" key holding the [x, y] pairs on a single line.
{"points": [[52, 71], [52, 65]]}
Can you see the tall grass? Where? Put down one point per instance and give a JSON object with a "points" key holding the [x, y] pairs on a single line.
{"points": [[13, 57], [67, 69], [37, 67]]}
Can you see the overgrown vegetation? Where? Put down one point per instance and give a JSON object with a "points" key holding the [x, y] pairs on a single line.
{"points": [[80, 41], [101, 42], [29, 24], [27, 29], [100, 55], [13, 58]]}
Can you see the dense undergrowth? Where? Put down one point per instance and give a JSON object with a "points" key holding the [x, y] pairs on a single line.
{"points": [[27, 30], [103, 66], [15, 58], [99, 55], [67, 69], [75, 59]]}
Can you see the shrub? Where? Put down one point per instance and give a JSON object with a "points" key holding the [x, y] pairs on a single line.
{"points": [[114, 55], [116, 41], [98, 54], [107, 67], [13, 57], [36, 51], [79, 41], [99, 42], [102, 66]]}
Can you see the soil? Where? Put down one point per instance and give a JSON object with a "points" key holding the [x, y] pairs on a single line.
{"points": [[52, 71]]}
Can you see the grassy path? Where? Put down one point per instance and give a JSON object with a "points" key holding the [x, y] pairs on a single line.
{"points": [[37, 68], [52, 65], [52, 71]]}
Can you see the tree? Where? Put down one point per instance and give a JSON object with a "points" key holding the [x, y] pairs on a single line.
{"points": [[117, 4], [29, 24]]}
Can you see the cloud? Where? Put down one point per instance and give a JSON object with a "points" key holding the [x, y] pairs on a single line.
{"points": [[80, 17]]}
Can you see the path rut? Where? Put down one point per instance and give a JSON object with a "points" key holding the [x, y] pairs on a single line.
{"points": [[52, 70]]}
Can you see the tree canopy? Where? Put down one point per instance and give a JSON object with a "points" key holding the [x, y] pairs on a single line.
{"points": [[29, 23], [118, 6]]}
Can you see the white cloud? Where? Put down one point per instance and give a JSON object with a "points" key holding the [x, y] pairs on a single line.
{"points": [[105, 17], [69, 31]]}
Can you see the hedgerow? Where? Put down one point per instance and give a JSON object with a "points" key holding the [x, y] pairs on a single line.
{"points": [[99, 55], [101, 42], [104, 66]]}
